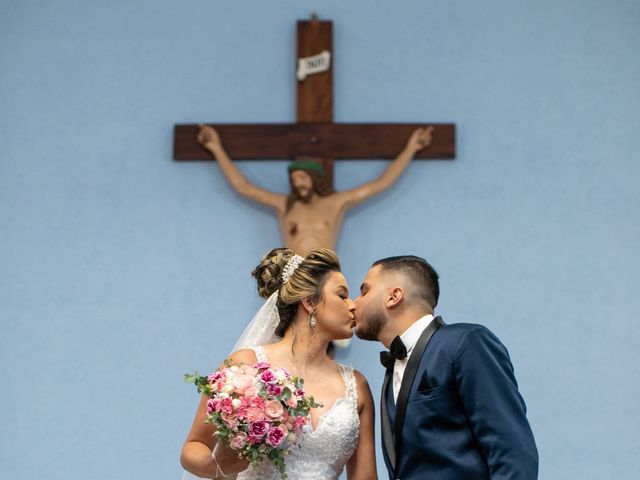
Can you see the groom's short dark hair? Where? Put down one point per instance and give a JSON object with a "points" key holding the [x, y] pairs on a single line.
{"points": [[422, 275]]}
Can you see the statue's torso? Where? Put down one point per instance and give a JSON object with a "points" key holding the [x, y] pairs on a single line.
{"points": [[313, 225]]}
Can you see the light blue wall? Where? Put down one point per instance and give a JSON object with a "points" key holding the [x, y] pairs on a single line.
{"points": [[120, 269]]}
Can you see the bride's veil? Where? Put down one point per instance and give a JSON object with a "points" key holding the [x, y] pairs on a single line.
{"points": [[261, 330]]}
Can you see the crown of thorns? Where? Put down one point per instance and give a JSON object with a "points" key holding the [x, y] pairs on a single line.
{"points": [[306, 165]]}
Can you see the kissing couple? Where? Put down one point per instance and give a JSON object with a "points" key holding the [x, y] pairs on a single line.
{"points": [[450, 407]]}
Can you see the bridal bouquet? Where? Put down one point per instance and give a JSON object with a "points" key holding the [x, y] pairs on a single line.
{"points": [[258, 410]]}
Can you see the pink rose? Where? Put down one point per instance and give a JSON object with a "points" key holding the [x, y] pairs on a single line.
{"points": [[217, 380], [253, 414], [257, 402], [288, 421], [242, 382], [213, 405], [268, 377], [274, 389], [231, 419], [273, 409], [215, 377], [276, 436], [226, 405], [239, 441], [258, 429], [292, 402], [299, 422], [262, 366], [241, 413], [252, 391]]}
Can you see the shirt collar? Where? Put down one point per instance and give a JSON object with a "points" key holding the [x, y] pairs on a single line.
{"points": [[412, 334]]}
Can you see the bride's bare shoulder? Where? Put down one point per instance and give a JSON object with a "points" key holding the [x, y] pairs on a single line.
{"points": [[245, 355], [362, 383]]}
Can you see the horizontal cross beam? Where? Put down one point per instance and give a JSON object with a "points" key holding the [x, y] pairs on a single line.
{"points": [[337, 140]]}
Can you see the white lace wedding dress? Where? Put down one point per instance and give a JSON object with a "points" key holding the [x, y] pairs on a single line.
{"points": [[323, 452]]}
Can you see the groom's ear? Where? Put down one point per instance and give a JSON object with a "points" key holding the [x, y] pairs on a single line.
{"points": [[395, 296]]}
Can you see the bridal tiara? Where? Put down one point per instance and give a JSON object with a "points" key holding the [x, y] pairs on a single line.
{"points": [[293, 263]]}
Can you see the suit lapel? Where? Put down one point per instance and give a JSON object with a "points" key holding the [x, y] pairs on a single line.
{"points": [[387, 435], [409, 375]]}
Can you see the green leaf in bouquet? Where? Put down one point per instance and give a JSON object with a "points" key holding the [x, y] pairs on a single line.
{"points": [[286, 394], [254, 457], [278, 461], [314, 404]]}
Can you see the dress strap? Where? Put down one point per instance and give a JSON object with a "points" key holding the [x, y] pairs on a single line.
{"points": [[261, 355], [350, 382]]}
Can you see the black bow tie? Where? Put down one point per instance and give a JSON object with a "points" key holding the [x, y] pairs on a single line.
{"points": [[397, 352]]}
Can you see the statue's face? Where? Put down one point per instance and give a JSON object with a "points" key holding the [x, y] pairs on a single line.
{"points": [[302, 184]]}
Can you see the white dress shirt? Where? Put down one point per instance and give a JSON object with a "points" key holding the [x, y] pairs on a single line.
{"points": [[409, 338]]}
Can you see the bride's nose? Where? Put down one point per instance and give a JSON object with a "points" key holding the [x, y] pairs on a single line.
{"points": [[351, 305]]}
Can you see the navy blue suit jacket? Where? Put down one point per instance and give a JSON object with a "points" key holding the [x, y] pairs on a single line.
{"points": [[464, 418]]}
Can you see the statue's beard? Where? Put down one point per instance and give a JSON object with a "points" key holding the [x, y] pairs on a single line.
{"points": [[304, 195]]}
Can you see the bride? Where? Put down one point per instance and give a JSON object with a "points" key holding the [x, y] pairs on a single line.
{"points": [[307, 307]]}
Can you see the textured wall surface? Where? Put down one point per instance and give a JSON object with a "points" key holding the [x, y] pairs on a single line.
{"points": [[120, 269]]}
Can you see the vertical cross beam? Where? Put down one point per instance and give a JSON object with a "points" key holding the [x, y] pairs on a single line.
{"points": [[314, 94]]}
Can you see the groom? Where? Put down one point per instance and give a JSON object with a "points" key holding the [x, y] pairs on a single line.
{"points": [[450, 405]]}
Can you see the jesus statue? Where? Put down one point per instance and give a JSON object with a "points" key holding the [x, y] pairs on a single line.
{"points": [[311, 215]]}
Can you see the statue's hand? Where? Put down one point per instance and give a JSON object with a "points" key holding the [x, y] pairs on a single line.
{"points": [[420, 138], [208, 137]]}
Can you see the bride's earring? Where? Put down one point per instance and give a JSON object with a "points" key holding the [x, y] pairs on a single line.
{"points": [[312, 320]]}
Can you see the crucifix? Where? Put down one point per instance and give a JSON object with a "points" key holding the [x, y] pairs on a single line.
{"points": [[311, 215]]}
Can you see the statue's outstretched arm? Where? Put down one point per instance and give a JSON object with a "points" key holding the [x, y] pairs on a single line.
{"points": [[419, 139], [209, 139]]}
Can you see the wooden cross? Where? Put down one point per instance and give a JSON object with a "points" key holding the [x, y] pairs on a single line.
{"points": [[314, 134]]}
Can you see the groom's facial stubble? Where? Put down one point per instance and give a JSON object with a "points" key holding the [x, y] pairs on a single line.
{"points": [[369, 327], [369, 310]]}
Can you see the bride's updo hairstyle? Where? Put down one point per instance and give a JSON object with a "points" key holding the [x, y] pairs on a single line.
{"points": [[306, 281]]}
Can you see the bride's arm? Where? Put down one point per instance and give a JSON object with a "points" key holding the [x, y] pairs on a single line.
{"points": [[196, 452], [362, 464]]}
